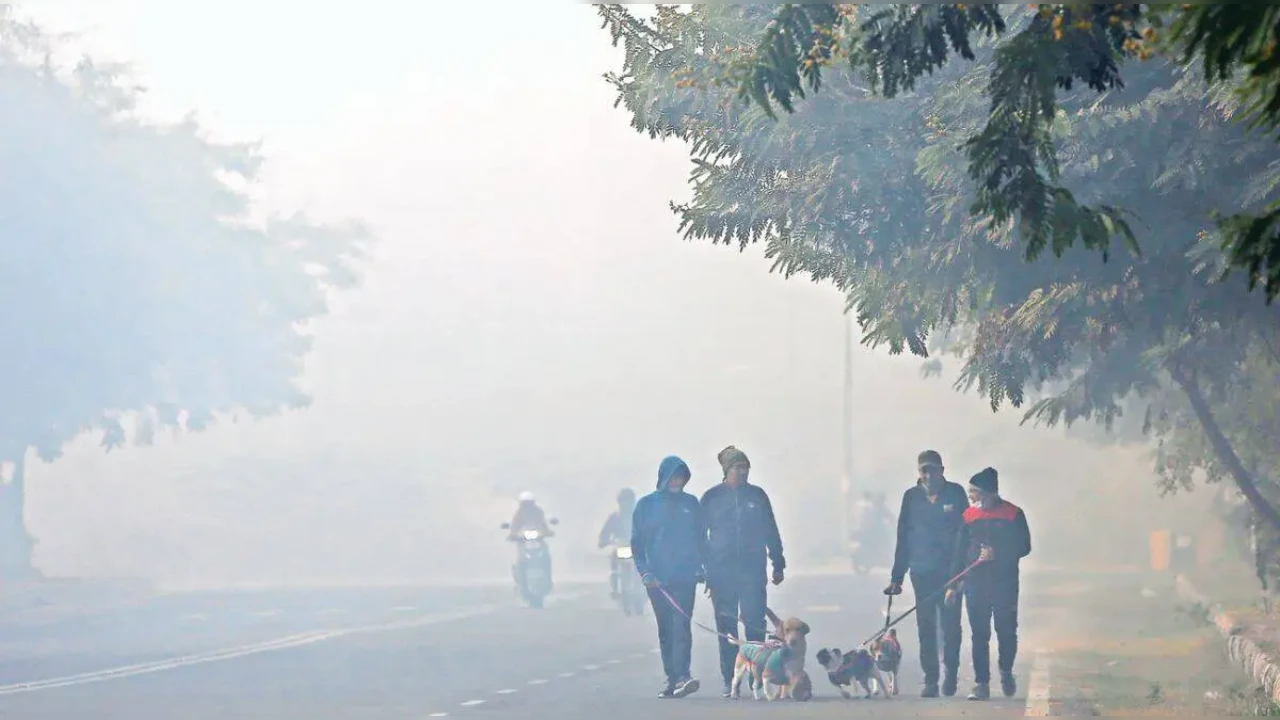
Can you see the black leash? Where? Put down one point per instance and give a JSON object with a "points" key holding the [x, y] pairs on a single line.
{"points": [[889, 624]]}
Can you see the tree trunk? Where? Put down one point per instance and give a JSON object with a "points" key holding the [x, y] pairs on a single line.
{"points": [[15, 542], [1266, 512]]}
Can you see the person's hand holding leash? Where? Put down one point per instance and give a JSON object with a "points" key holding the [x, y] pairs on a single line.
{"points": [[986, 554], [953, 594], [650, 581], [777, 576], [894, 588]]}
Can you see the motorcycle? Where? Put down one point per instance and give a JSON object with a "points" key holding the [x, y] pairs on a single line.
{"points": [[870, 547], [631, 594], [532, 569]]}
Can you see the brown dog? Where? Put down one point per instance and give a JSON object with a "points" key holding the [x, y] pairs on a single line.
{"points": [[793, 633], [777, 663]]}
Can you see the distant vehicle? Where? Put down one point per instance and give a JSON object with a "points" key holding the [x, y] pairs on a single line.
{"points": [[532, 569], [631, 594]]}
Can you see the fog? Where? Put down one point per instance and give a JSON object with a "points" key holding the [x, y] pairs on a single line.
{"points": [[530, 319]]}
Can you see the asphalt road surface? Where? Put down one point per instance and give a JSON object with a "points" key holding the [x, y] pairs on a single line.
{"points": [[420, 653]]}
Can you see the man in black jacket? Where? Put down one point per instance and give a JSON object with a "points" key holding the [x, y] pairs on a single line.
{"points": [[931, 515], [741, 532]]}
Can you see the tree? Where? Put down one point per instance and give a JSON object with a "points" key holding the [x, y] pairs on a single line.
{"points": [[1048, 51], [873, 194], [140, 295]]}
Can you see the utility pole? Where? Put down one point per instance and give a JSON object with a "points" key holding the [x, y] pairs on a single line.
{"points": [[846, 482]]}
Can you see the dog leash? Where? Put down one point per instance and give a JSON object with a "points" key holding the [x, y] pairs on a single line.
{"points": [[689, 617], [713, 631], [889, 624]]}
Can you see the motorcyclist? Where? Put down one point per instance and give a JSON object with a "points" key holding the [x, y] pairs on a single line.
{"points": [[529, 516], [874, 527], [876, 516], [617, 530]]}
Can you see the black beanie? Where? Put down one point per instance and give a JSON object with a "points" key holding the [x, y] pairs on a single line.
{"points": [[987, 481]]}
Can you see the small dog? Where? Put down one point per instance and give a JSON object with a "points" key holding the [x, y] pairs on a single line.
{"points": [[776, 663], [887, 652], [846, 669]]}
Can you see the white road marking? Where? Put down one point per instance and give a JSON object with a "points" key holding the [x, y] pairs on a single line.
{"points": [[438, 715], [332, 611], [590, 667], [638, 655], [284, 643], [567, 675], [507, 691], [196, 617], [537, 682], [169, 664], [822, 609], [612, 662], [472, 703], [1038, 688], [266, 613]]}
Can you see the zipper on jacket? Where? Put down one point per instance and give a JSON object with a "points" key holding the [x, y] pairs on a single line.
{"points": [[737, 527]]}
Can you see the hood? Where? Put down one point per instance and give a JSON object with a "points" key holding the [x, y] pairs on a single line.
{"points": [[668, 469]]}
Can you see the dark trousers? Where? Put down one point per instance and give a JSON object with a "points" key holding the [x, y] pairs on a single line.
{"points": [[932, 613], [993, 600], [675, 630], [732, 598]]}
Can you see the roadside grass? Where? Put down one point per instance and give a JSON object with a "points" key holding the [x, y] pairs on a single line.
{"points": [[1129, 647]]}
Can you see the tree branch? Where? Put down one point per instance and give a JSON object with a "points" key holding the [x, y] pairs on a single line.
{"points": [[1222, 446]]}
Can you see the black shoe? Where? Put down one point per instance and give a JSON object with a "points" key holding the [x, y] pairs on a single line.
{"points": [[981, 691], [949, 686], [930, 690], [668, 691], [685, 688], [1008, 684]]}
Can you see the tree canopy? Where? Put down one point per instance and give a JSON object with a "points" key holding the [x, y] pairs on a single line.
{"points": [[139, 290], [874, 193], [1049, 51]]}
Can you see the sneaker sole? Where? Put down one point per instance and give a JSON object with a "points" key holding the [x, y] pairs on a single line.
{"points": [[689, 688]]}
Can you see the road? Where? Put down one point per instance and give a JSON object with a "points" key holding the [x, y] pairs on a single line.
{"points": [[419, 653]]}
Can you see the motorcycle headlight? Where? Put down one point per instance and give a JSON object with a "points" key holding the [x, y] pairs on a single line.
{"points": [[530, 534], [623, 553]]}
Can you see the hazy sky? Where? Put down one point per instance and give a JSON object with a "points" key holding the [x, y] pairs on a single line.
{"points": [[530, 318]]}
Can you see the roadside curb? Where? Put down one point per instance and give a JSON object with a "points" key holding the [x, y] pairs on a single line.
{"points": [[1258, 664]]}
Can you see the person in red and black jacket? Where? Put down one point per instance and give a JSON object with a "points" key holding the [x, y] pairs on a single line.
{"points": [[994, 535]]}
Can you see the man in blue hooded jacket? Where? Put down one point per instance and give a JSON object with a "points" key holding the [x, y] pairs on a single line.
{"points": [[668, 545]]}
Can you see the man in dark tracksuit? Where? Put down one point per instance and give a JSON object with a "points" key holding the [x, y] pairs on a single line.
{"points": [[995, 532], [668, 545], [928, 523], [741, 531]]}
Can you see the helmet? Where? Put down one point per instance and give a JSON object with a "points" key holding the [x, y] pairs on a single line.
{"points": [[626, 495], [526, 497]]}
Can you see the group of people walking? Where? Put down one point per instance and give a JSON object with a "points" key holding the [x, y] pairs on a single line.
{"points": [[945, 532], [728, 540]]}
